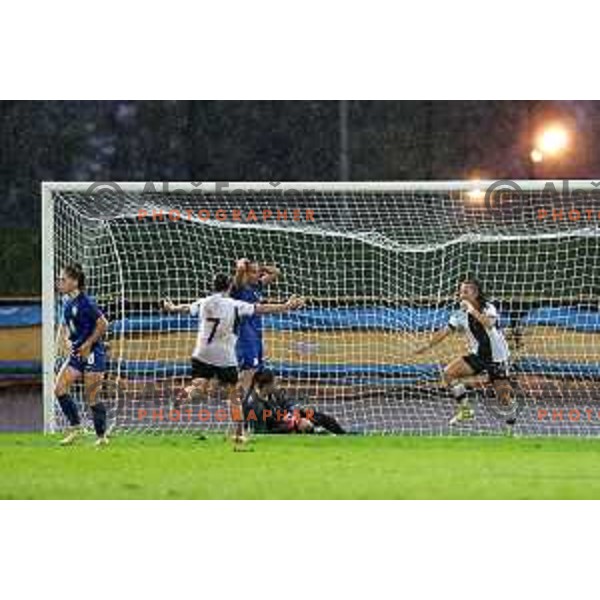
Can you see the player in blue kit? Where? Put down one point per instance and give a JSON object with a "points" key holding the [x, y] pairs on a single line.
{"points": [[84, 326], [248, 285]]}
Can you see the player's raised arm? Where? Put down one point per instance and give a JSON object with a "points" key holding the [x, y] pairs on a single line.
{"points": [[438, 337], [247, 271], [241, 270], [293, 303], [169, 306], [269, 274], [487, 317]]}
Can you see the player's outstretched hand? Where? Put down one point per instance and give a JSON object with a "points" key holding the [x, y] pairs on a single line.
{"points": [[168, 305], [295, 302]]}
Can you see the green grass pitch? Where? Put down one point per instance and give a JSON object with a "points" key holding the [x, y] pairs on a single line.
{"points": [[303, 467]]}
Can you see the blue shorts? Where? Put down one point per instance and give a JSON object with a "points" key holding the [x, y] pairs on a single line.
{"points": [[95, 362], [250, 355]]}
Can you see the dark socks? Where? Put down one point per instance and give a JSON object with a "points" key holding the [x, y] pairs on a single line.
{"points": [[99, 416], [69, 408]]}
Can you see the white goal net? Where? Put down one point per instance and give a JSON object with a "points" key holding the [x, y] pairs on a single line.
{"points": [[379, 264]]}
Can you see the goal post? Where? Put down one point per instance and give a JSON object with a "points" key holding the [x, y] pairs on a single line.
{"points": [[49, 322], [379, 263]]}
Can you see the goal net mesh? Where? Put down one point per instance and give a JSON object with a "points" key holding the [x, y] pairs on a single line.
{"points": [[379, 266]]}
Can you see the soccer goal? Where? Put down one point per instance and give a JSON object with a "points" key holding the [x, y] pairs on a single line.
{"points": [[379, 264]]}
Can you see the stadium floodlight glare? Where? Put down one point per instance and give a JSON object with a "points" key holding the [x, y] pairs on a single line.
{"points": [[476, 194], [379, 264], [553, 140], [537, 156]]}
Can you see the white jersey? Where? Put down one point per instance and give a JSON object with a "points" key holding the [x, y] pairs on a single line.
{"points": [[488, 344], [219, 317]]}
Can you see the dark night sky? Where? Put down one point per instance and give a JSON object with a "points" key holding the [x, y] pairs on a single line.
{"points": [[278, 140]]}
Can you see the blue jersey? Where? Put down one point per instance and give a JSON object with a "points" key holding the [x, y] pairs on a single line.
{"points": [[79, 317], [250, 327], [249, 348]]}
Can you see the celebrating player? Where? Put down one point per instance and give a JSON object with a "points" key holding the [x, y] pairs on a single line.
{"points": [[273, 412], [84, 325], [248, 285], [214, 356], [488, 350]]}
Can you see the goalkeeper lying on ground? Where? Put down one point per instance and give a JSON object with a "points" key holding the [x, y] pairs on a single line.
{"points": [[268, 410]]}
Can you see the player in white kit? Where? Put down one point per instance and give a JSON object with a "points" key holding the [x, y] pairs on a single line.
{"points": [[488, 350], [214, 356]]}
